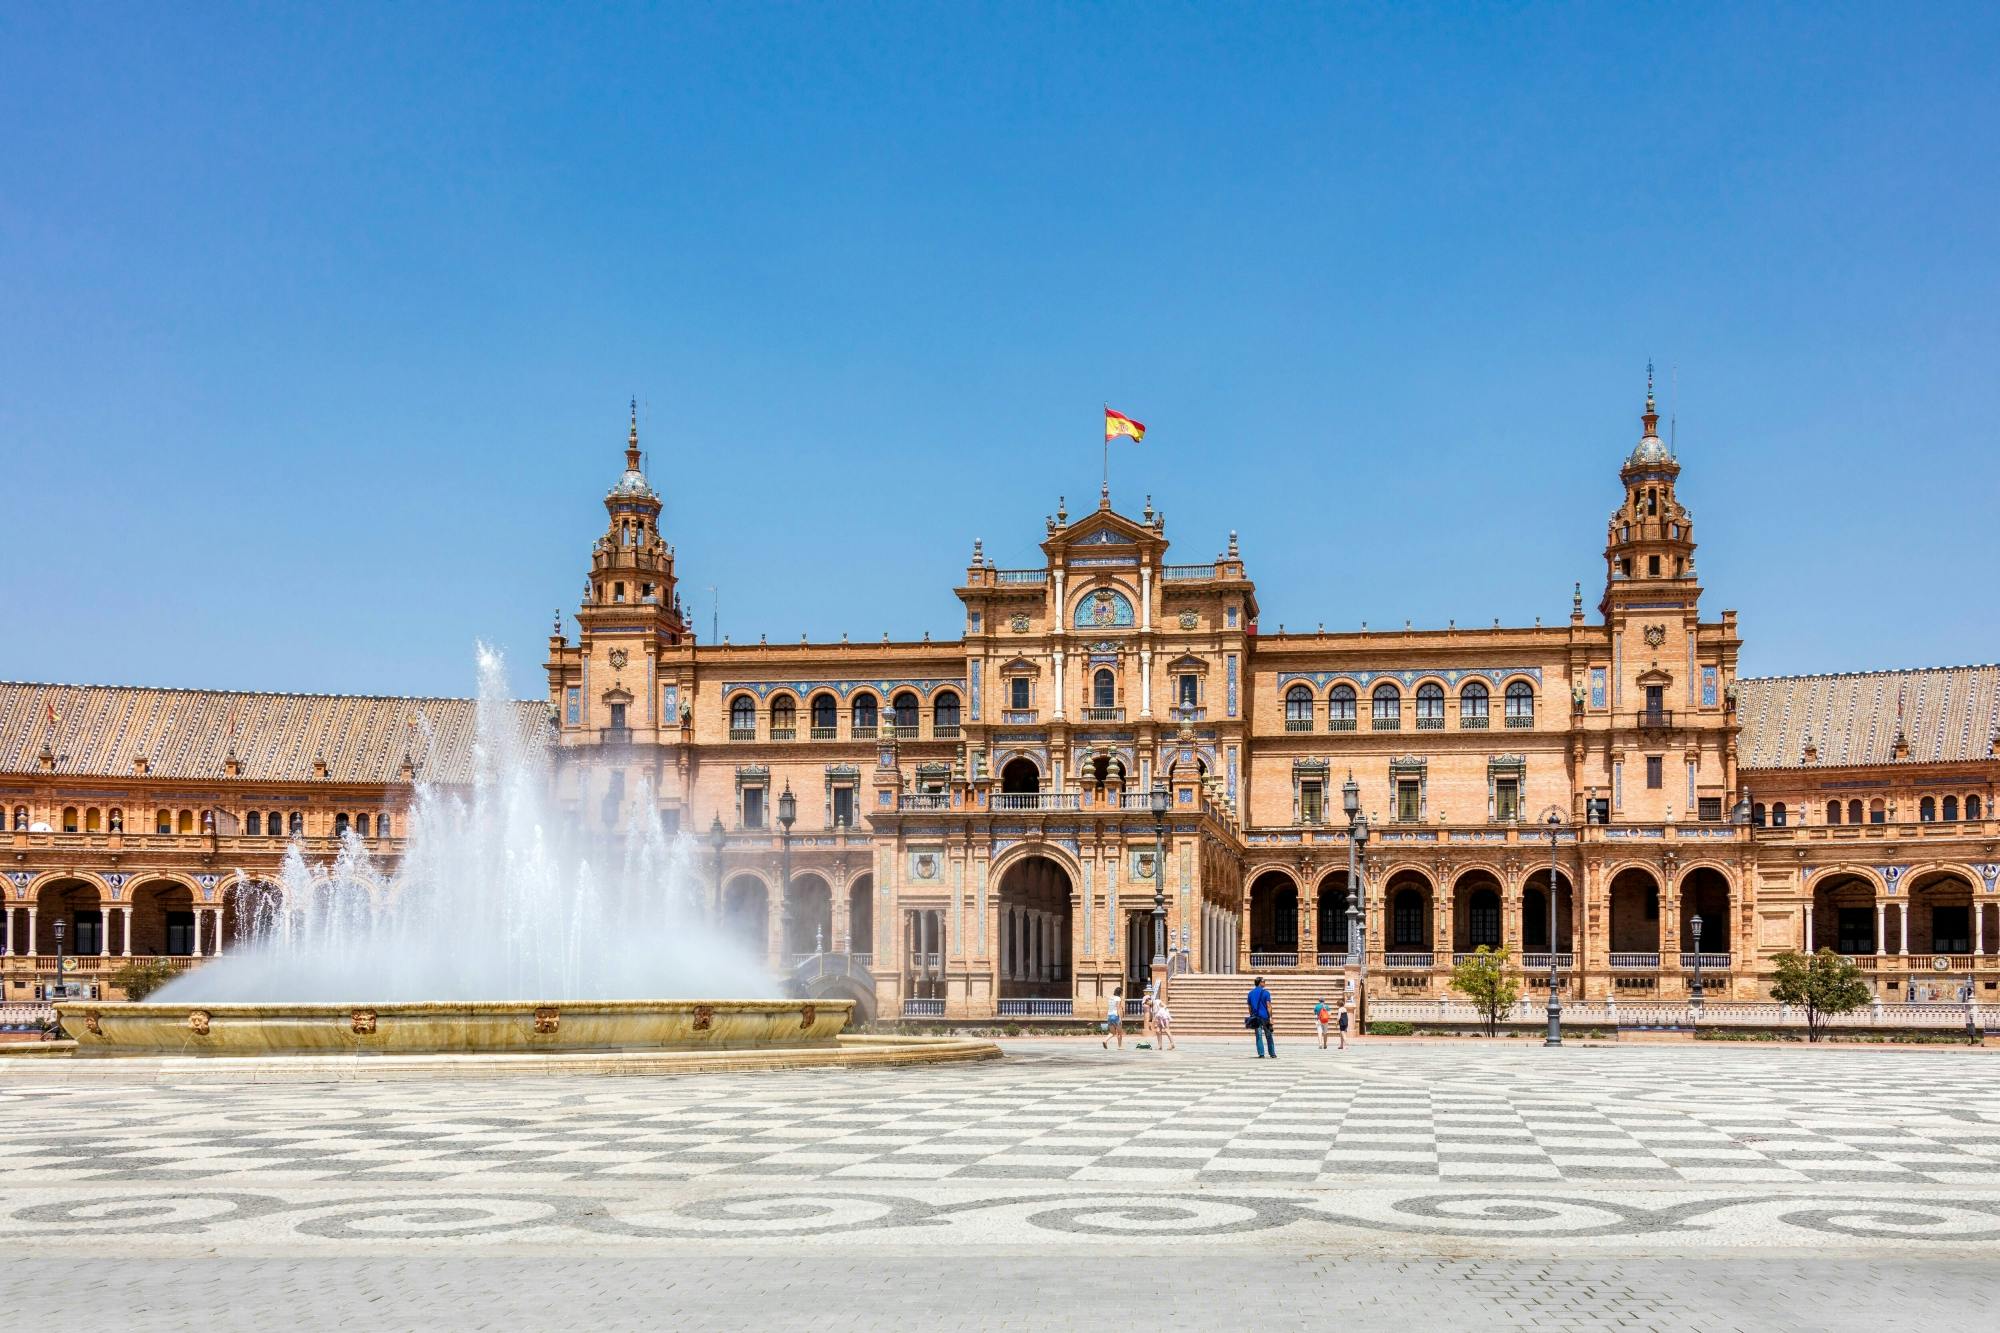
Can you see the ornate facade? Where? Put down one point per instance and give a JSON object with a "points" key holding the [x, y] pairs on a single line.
{"points": [[975, 829]]}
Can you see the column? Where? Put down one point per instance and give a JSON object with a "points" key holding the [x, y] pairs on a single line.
{"points": [[1904, 946], [1056, 682], [1809, 928], [1145, 597], [1146, 682], [1881, 929], [1978, 928], [104, 934], [195, 950], [128, 931], [31, 928], [218, 932]]}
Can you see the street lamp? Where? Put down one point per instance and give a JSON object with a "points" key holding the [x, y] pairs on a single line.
{"points": [[1555, 1037], [788, 810], [1158, 800], [1696, 998], [1739, 814], [57, 926], [718, 837], [1357, 954]]}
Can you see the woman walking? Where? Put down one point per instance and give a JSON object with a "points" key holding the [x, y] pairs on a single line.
{"points": [[1114, 1019]]}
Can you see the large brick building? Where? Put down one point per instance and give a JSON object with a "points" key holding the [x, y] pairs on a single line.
{"points": [[975, 829]]}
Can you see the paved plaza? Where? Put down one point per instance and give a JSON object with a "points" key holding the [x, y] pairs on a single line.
{"points": [[1429, 1184]]}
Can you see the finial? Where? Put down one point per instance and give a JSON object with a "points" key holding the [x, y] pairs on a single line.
{"points": [[1104, 495], [978, 550], [1576, 599], [632, 439], [1649, 384], [1062, 509], [1149, 509], [555, 630], [1233, 551]]}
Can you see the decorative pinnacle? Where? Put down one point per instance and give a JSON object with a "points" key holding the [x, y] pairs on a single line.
{"points": [[632, 439], [1649, 384]]}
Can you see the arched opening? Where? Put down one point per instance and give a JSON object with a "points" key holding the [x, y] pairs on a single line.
{"points": [[1475, 909], [1941, 915], [1520, 704], [1034, 944], [1705, 893], [1635, 917], [861, 916], [1388, 708], [1340, 708], [252, 910], [1843, 916], [75, 903], [1833, 812], [1331, 917], [93, 820], [825, 716], [944, 715], [784, 718], [808, 917], [863, 720], [1535, 916], [1274, 916], [163, 919], [1107, 774], [1430, 706], [1019, 776], [1103, 689], [742, 717], [1408, 899], [905, 706], [1854, 812], [746, 914], [1298, 709], [1472, 705]]}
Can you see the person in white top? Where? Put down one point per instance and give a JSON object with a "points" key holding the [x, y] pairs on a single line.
{"points": [[1163, 1023], [1114, 1019]]}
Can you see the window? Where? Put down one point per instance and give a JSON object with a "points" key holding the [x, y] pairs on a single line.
{"points": [[1854, 812], [753, 807], [274, 824], [843, 807], [1927, 810], [1340, 709], [1653, 565], [382, 825], [1104, 689], [253, 823], [742, 718], [1430, 706], [1312, 802], [1833, 812], [298, 824], [1757, 815], [784, 718], [825, 716], [1507, 800], [1710, 809], [944, 715], [618, 717], [1778, 815], [1187, 690], [1876, 813], [361, 825], [93, 820], [1656, 775], [1950, 809], [1017, 693], [1656, 701], [1971, 807], [1407, 921], [69, 819], [863, 711], [1388, 708], [1520, 704], [340, 826], [905, 705], [1298, 709], [20, 819], [1409, 800], [1472, 702]]}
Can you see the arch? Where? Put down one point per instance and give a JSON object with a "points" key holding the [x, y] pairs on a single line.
{"points": [[1386, 705], [944, 713], [1942, 899], [1035, 918], [1705, 891], [71, 820], [163, 917], [184, 822], [808, 915], [904, 707], [861, 915], [1477, 913], [1331, 914], [253, 824], [1340, 707], [1430, 706], [1634, 902], [1535, 913], [1020, 775], [1520, 703], [1927, 810], [78, 903], [1972, 807], [93, 819], [1298, 708], [20, 819], [864, 714], [1104, 688], [1103, 608], [742, 714], [746, 912], [1274, 912], [33, 892], [1473, 703], [1408, 897], [1817, 879], [1948, 810], [1833, 812], [784, 714], [1854, 811], [825, 711], [1843, 910]]}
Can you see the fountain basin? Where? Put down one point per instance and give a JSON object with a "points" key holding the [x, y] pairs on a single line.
{"points": [[452, 1027]]}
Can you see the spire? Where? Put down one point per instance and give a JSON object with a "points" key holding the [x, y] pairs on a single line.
{"points": [[1649, 449], [632, 438]]}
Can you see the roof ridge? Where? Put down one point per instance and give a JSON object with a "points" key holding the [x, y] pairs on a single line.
{"points": [[274, 694], [1876, 671]]}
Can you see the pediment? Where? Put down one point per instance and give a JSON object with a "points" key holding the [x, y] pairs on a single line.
{"points": [[1106, 531]]}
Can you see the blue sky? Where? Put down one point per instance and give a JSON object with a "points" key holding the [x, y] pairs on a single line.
{"points": [[317, 327]]}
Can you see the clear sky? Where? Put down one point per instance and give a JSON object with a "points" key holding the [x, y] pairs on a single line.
{"points": [[317, 324]]}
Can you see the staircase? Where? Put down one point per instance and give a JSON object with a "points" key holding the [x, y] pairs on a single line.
{"points": [[1206, 1005]]}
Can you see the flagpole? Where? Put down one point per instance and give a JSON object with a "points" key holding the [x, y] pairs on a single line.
{"points": [[1107, 450]]}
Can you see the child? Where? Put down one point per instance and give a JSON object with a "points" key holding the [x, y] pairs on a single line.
{"points": [[1114, 1019]]}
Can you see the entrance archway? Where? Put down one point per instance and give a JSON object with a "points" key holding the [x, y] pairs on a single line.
{"points": [[1408, 898], [808, 918], [1476, 912], [1535, 915], [1331, 918], [1941, 906], [1274, 914], [1019, 776], [1705, 893], [1635, 913], [1843, 916], [1035, 920], [163, 919], [76, 904]]}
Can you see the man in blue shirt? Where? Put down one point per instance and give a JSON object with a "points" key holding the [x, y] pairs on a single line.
{"points": [[1259, 1020]]}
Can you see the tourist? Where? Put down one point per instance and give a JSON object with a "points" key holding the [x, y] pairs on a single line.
{"points": [[1114, 1019], [1163, 1023], [1344, 1011], [1322, 1016], [1259, 1019]]}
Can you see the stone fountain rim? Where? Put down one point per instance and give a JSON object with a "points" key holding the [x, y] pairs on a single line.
{"points": [[320, 1008]]}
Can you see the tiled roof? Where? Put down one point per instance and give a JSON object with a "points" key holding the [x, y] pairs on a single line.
{"points": [[1949, 715], [186, 734]]}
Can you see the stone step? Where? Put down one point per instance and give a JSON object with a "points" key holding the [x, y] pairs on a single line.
{"points": [[1205, 1005]]}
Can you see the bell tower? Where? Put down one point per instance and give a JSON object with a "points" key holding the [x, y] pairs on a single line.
{"points": [[1649, 548], [631, 588]]}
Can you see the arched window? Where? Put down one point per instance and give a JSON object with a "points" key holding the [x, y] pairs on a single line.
{"points": [[944, 715], [1854, 812], [825, 716], [864, 721], [1757, 814], [1778, 814], [340, 825], [184, 822], [1430, 706], [1927, 810], [1388, 708], [784, 718], [93, 820], [1833, 812], [1520, 704], [361, 825], [742, 718], [1298, 709], [382, 826], [1950, 809], [1340, 708], [253, 823], [1104, 689], [20, 819], [298, 824], [1472, 705], [69, 819], [905, 705], [1971, 807], [163, 821], [274, 825]]}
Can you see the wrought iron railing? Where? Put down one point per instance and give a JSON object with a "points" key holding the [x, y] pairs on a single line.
{"points": [[1654, 719], [1426, 722], [1382, 723], [615, 735], [743, 733], [1298, 724], [1340, 724], [1473, 721]]}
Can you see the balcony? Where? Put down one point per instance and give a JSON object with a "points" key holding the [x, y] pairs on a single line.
{"points": [[908, 731], [1026, 577], [1539, 962], [1405, 962], [1103, 715], [945, 731], [1035, 800], [743, 733], [1273, 961], [1025, 1008], [1382, 723], [1634, 962], [1654, 719], [1298, 724], [1472, 721], [1018, 716], [1331, 960], [1520, 721], [924, 800], [1340, 724], [784, 733], [825, 733], [614, 736], [1718, 962], [1185, 573], [917, 1008], [1425, 723]]}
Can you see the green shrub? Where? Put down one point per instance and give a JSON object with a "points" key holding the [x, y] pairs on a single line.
{"points": [[1391, 1029], [142, 976]]}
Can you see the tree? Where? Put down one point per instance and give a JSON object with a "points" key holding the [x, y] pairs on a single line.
{"points": [[1823, 984], [1482, 978], [142, 976]]}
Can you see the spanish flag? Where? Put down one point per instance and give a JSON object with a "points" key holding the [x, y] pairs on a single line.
{"points": [[1117, 423]]}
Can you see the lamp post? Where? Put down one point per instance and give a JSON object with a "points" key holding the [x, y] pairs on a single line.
{"points": [[718, 837], [1158, 800], [1357, 953], [57, 927], [1555, 1037], [1695, 999], [788, 810]]}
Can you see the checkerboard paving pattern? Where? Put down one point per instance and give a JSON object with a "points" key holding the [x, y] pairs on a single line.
{"points": [[1208, 1113]]}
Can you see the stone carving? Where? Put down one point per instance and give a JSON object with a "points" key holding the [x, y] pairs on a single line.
{"points": [[1655, 635], [364, 1022], [198, 1022], [547, 1021], [619, 657], [1189, 620], [704, 1017], [808, 1015], [1019, 624], [92, 1026]]}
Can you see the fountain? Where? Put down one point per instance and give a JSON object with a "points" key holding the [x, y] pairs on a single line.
{"points": [[505, 928]]}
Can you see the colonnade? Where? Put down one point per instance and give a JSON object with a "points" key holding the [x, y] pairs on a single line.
{"points": [[1031, 944], [26, 942]]}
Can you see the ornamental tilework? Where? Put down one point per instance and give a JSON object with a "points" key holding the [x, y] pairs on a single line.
{"points": [[1710, 690], [1230, 668], [1597, 687], [1089, 913], [1449, 675], [763, 688], [1103, 608], [670, 705]]}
